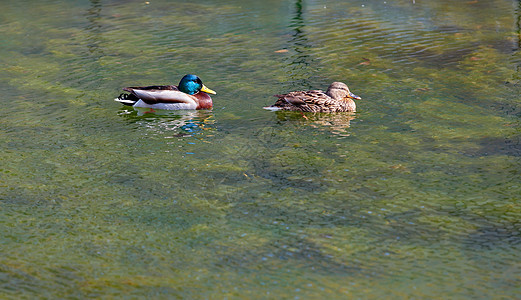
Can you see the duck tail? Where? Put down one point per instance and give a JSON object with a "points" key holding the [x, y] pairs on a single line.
{"points": [[126, 99], [272, 108]]}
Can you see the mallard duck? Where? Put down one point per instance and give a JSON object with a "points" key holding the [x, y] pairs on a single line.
{"points": [[191, 93], [337, 98]]}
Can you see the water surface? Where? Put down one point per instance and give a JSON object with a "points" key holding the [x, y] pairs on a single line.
{"points": [[415, 195]]}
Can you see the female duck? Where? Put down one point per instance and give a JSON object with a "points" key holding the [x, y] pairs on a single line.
{"points": [[190, 94], [338, 98]]}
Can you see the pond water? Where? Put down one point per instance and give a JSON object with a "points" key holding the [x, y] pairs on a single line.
{"points": [[417, 195]]}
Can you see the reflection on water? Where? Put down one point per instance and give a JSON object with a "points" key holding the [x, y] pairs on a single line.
{"points": [[94, 28], [179, 122], [300, 59], [336, 123]]}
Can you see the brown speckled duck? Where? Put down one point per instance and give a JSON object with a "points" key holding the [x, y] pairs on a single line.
{"points": [[337, 98]]}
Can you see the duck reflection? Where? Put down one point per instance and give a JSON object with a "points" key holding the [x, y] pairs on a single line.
{"points": [[337, 123], [180, 123]]}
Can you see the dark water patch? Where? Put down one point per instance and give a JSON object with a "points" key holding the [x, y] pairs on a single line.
{"points": [[452, 56], [406, 226], [399, 127], [480, 232], [284, 253], [366, 192], [31, 197], [40, 139], [178, 216], [509, 107], [125, 179], [14, 280], [34, 50], [489, 216], [148, 189], [495, 235], [22, 280], [138, 256], [448, 29], [282, 178], [266, 210], [496, 146], [505, 46], [237, 178]]}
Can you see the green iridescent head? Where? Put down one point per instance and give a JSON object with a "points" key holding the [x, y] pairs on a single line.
{"points": [[191, 84]]}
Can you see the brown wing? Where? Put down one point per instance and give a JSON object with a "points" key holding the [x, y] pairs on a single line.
{"points": [[297, 101], [312, 101]]}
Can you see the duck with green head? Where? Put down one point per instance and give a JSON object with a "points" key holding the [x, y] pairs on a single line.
{"points": [[191, 93]]}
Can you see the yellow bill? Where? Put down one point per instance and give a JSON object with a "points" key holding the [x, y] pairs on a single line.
{"points": [[207, 90]]}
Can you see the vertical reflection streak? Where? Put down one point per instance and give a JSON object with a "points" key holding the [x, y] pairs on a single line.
{"points": [[300, 61]]}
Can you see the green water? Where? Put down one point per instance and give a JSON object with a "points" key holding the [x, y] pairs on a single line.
{"points": [[417, 195]]}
